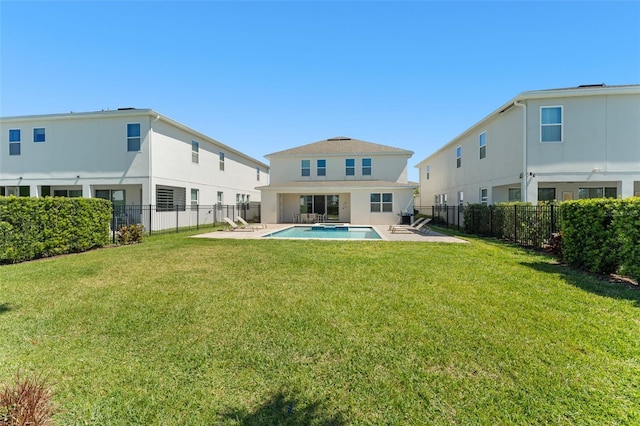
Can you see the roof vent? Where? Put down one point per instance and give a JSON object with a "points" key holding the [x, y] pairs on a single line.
{"points": [[339, 138], [582, 86]]}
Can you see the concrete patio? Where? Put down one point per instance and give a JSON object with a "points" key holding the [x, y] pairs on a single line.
{"points": [[382, 230]]}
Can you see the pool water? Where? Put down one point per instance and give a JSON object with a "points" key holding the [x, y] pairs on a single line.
{"points": [[328, 231]]}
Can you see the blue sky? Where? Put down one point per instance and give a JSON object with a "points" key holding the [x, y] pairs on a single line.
{"points": [[267, 76]]}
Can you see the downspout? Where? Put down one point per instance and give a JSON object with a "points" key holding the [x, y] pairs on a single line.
{"points": [[523, 182]]}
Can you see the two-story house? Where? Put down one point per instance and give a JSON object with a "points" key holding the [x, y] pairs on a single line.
{"points": [[339, 179], [130, 156], [545, 145]]}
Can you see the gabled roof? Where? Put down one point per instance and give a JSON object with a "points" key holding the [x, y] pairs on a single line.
{"points": [[341, 145]]}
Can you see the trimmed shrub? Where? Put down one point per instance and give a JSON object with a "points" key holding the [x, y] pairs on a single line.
{"points": [[130, 234], [602, 235], [32, 228]]}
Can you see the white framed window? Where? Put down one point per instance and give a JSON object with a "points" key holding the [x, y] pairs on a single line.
{"points": [[350, 167], [220, 197], [551, 124], [133, 137], [381, 202], [39, 134], [460, 198], [482, 144], [484, 196], [366, 167], [195, 152], [321, 167], [515, 194], [221, 155], [195, 194], [258, 173], [458, 157], [14, 141], [427, 170], [305, 168]]}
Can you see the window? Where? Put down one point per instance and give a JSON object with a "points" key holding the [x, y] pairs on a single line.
{"points": [[70, 193], [14, 141], [366, 167], [257, 173], [458, 157], [220, 197], [321, 167], [45, 191], [195, 152], [18, 191], [306, 204], [38, 134], [428, 171], [484, 196], [221, 154], [350, 167], [608, 192], [460, 198], [381, 202], [515, 194], [133, 137], [546, 194], [482, 142], [551, 124], [170, 198], [305, 167], [194, 197]]}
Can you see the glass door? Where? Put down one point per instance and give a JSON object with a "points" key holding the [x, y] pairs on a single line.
{"points": [[333, 208]]}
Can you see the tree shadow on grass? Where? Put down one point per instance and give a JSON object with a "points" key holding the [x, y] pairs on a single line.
{"points": [[281, 409], [607, 286], [4, 307]]}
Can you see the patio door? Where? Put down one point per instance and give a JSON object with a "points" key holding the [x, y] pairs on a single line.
{"points": [[333, 207]]}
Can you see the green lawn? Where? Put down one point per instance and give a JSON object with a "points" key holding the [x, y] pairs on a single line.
{"points": [[182, 331]]}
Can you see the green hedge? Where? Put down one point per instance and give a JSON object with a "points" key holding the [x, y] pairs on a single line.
{"points": [[32, 228], [602, 235]]}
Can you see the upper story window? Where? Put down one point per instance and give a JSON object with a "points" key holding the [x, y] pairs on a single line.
{"points": [[195, 152], [14, 141], [321, 167], [459, 157], [551, 124], [305, 167], [38, 134], [350, 167], [427, 170], [257, 173], [221, 161], [133, 137], [482, 143], [366, 167]]}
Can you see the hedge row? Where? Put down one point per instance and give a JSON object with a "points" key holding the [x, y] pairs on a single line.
{"points": [[602, 235], [32, 228]]}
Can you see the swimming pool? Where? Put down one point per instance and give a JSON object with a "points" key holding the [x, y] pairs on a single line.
{"points": [[345, 232]]}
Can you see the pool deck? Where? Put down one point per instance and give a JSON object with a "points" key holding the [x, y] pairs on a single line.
{"points": [[382, 230]]}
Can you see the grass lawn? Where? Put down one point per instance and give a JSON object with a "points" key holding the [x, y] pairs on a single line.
{"points": [[197, 332]]}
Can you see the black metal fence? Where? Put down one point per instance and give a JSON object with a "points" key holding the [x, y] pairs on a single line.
{"points": [[526, 225], [156, 219]]}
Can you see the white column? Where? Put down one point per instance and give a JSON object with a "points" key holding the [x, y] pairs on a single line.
{"points": [[626, 188], [532, 190], [86, 191]]}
